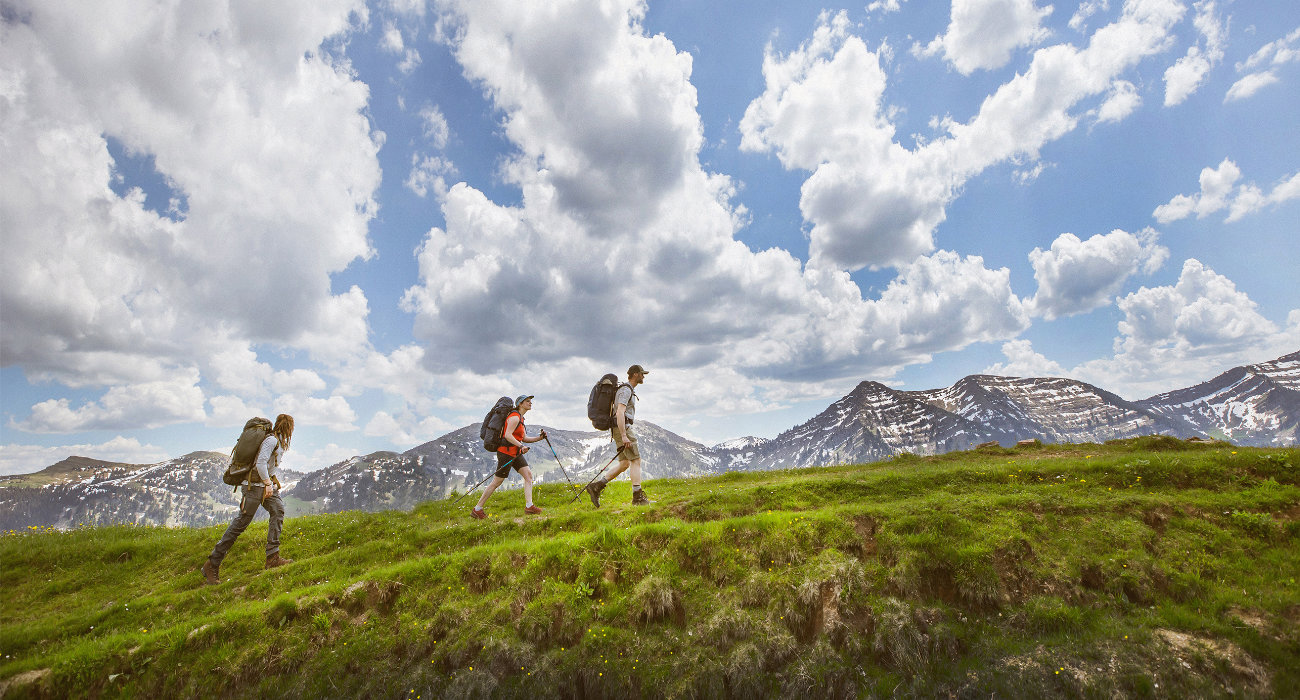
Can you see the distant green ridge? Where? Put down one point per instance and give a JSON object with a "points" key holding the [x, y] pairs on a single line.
{"points": [[1146, 567]]}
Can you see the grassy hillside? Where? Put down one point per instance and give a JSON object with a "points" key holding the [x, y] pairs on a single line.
{"points": [[1150, 567]]}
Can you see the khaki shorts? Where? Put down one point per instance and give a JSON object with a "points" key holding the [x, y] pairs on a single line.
{"points": [[632, 452]]}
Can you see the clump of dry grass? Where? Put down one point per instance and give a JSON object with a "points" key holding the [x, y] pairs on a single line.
{"points": [[655, 599]]}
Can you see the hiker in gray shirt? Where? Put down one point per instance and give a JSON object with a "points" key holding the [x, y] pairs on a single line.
{"points": [[264, 492], [622, 435]]}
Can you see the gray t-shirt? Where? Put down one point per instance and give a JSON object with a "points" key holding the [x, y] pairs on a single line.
{"points": [[627, 396]]}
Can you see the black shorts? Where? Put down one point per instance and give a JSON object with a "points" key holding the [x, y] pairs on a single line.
{"points": [[504, 465]]}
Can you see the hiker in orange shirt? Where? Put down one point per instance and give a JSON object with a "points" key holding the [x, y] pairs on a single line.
{"points": [[511, 455]]}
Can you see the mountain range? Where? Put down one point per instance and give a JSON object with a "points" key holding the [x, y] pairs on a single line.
{"points": [[1255, 405]]}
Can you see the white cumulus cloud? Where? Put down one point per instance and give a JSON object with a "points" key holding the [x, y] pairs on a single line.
{"points": [[1190, 329], [1248, 85], [1274, 53], [406, 429], [130, 407], [884, 6], [26, 459], [873, 202], [105, 289], [1088, 8], [1076, 276], [434, 126], [393, 42], [1186, 75], [333, 413], [1122, 101], [580, 279], [1024, 361], [982, 34], [1219, 191], [319, 458], [230, 411], [429, 174], [1260, 68]]}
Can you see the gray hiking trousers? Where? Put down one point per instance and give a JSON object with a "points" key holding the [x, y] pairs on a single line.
{"points": [[247, 510]]}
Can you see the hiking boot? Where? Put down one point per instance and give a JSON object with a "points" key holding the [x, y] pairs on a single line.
{"points": [[210, 573], [593, 490], [532, 510], [478, 514], [640, 499], [276, 560]]}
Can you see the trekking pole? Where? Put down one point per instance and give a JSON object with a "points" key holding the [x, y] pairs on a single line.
{"points": [[480, 483], [598, 473], [557, 460]]}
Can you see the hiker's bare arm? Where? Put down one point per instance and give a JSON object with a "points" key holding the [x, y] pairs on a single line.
{"points": [[511, 424], [620, 415]]}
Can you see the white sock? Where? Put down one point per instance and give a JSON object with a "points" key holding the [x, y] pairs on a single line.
{"points": [[478, 508], [530, 505]]}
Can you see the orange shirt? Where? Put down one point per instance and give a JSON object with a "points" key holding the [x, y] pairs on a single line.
{"points": [[506, 446]]}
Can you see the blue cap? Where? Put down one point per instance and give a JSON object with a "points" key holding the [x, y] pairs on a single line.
{"points": [[522, 398]]}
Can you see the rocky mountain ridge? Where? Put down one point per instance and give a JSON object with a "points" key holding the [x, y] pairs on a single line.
{"points": [[186, 491], [1250, 405]]}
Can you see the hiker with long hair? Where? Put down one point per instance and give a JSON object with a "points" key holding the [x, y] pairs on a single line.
{"points": [[629, 456], [510, 455], [262, 489]]}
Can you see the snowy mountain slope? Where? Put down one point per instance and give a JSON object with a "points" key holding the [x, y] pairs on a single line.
{"points": [[186, 491], [872, 422], [1252, 405], [457, 461], [1048, 409]]}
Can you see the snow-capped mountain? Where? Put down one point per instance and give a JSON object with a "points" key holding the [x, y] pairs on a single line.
{"points": [[1049, 409], [457, 461], [1251, 405], [736, 454], [186, 491], [872, 423]]}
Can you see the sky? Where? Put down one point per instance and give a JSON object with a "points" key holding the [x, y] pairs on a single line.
{"points": [[381, 216]]}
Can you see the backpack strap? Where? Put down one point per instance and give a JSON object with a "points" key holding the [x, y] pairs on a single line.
{"points": [[273, 460], [613, 405], [506, 423]]}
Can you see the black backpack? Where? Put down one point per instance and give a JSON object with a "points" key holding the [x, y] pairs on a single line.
{"points": [[494, 424], [600, 402], [244, 454]]}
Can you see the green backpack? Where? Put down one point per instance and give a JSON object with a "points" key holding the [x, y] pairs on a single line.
{"points": [[244, 455]]}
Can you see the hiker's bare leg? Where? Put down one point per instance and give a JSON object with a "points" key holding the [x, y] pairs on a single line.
{"points": [[636, 472], [527, 473], [612, 475], [496, 481]]}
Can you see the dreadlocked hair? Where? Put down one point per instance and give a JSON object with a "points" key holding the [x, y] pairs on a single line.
{"points": [[283, 430]]}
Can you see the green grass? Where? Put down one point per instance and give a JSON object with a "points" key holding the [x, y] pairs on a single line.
{"points": [[1148, 567]]}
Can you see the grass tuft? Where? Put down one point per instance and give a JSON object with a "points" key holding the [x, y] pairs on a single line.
{"points": [[655, 599]]}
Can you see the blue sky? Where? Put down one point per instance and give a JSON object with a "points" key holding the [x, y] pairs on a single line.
{"points": [[379, 217]]}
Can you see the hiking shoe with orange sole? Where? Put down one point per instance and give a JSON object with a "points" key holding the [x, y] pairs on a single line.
{"points": [[477, 513], [532, 510]]}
